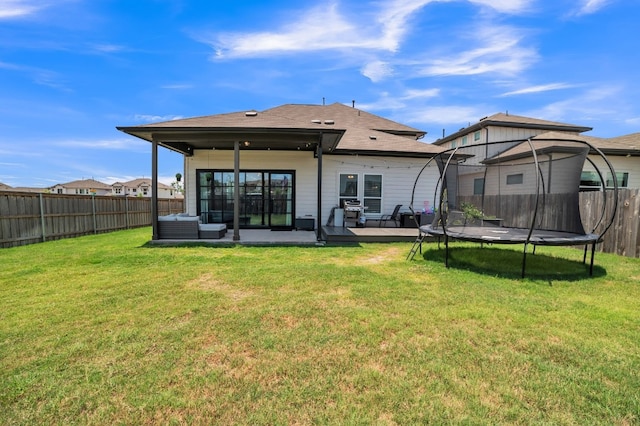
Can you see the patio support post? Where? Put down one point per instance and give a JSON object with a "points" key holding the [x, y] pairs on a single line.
{"points": [[154, 188], [236, 191], [319, 213]]}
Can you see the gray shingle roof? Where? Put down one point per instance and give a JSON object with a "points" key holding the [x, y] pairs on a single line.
{"points": [[509, 120], [85, 184], [356, 130]]}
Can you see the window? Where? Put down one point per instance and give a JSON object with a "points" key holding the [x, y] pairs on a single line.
{"points": [[622, 177], [348, 187], [476, 135], [516, 179], [373, 193], [464, 140], [589, 181], [478, 186], [454, 144]]}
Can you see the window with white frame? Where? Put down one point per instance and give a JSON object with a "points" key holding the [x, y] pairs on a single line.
{"points": [[348, 187], [373, 193], [464, 140], [476, 135]]}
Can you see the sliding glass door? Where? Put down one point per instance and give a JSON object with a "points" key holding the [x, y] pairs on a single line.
{"points": [[266, 198]]}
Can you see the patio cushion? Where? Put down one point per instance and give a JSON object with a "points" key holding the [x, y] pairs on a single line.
{"points": [[212, 230]]}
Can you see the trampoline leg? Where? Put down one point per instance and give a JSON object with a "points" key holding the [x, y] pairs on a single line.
{"points": [[524, 259], [593, 251], [584, 258], [446, 251]]}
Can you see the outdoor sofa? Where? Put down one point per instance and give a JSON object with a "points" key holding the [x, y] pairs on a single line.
{"points": [[184, 227]]}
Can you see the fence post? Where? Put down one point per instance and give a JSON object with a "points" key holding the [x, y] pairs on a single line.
{"points": [[126, 211], [93, 206], [44, 235]]}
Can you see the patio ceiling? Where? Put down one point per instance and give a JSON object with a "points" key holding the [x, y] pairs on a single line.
{"points": [[187, 140]]}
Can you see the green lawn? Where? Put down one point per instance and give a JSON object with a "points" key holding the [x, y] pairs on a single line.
{"points": [[108, 330]]}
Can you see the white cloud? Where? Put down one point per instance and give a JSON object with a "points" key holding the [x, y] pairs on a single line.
{"points": [[320, 29], [445, 115], [18, 8], [377, 71], [326, 28], [585, 107], [129, 144], [506, 6], [421, 93], [109, 48], [387, 102], [592, 6], [499, 52], [538, 89], [323, 28], [145, 118]]}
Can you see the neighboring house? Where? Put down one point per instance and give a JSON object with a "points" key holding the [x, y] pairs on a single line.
{"points": [[291, 161], [5, 187], [81, 187], [622, 152], [142, 188]]}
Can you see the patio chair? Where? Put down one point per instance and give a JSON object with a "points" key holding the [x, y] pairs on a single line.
{"points": [[395, 217]]}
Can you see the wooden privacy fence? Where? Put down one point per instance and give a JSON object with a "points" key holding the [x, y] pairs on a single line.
{"points": [[28, 218], [622, 238]]}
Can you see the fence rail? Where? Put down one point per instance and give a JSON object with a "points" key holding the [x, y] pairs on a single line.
{"points": [[28, 218], [622, 238]]}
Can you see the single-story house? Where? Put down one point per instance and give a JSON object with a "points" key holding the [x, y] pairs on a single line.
{"points": [[267, 169]]}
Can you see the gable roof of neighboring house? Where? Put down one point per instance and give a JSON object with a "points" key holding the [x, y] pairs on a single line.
{"points": [[508, 120], [621, 145], [84, 184], [4, 186], [337, 128], [548, 142], [564, 142], [136, 183], [25, 189]]}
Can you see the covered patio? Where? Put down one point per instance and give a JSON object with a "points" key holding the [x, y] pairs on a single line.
{"points": [[330, 234], [260, 173]]}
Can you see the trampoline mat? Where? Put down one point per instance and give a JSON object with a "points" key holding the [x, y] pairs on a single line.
{"points": [[502, 235]]}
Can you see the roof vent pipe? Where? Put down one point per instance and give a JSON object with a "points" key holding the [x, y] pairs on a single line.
{"points": [[353, 103], [251, 113]]}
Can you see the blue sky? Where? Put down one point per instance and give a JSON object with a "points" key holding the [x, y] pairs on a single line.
{"points": [[72, 70]]}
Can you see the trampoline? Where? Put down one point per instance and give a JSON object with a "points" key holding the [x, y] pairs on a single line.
{"points": [[517, 192]]}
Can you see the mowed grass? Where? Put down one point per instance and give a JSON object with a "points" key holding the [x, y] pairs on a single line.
{"points": [[106, 329]]}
